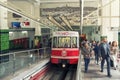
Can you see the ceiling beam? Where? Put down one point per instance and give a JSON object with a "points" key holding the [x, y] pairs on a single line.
{"points": [[55, 22], [20, 12], [64, 1], [59, 1], [64, 19], [99, 9]]}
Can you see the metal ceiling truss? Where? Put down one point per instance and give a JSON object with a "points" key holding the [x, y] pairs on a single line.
{"points": [[55, 22], [93, 12], [12, 8], [64, 19]]}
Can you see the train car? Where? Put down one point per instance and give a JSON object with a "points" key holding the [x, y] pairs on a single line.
{"points": [[65, 47]]}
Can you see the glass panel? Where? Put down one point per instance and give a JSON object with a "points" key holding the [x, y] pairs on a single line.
{"points": [[21, 60], [115, 10], [65, 42], [55, 42], [115, 22], [74, 42]]}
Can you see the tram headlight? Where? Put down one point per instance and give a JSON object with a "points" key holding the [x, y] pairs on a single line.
{"points": [[63, 65], [64, 53]]}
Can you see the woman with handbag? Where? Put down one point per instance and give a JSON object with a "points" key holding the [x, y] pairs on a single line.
{"points": [[86, 52], [113, 53]]}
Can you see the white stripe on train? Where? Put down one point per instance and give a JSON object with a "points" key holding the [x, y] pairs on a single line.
{"points": [[65, 57]]}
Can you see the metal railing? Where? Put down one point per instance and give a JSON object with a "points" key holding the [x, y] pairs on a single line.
{"points": [[21, 59]]}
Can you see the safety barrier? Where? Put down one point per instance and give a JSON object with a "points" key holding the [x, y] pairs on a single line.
{"points": [[21, 59], [79, 68]]}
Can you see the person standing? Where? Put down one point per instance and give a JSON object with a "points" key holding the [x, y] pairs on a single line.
{"points": [[86, 52], [114, 52], [96, 49], [93, 45], [104, 53]]}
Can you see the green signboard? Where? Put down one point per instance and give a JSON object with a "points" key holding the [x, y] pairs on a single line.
{"points": [[4, 41]]}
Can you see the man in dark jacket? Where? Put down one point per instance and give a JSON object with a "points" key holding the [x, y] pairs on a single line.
{"points": [[104, 52]]}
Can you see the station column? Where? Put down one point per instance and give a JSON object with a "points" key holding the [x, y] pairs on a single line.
{"points": [[4, 32], [37, 39], [110, 19]]}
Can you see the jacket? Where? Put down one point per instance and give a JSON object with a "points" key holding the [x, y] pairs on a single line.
{"points": [[86, 52], [104, 50]]}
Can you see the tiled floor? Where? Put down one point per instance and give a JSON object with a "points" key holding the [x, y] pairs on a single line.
{"points": [[95, 74]]}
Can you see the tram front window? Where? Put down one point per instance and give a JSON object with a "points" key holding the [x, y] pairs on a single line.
{"points": [[74, 42], [65, 42]]}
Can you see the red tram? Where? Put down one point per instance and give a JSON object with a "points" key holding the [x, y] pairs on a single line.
{"points": [[65, 47]]}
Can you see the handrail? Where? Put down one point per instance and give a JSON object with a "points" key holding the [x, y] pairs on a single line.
{"points": [[9, 53], [20, 59]]}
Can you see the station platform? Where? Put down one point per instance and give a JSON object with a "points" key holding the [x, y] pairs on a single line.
{"points": [[95, 74]]}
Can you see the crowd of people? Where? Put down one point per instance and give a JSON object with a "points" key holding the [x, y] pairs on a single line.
{"points": [[102, 51]]}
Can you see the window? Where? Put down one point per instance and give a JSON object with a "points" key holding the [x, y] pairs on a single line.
{"points": [[74, 42], [55, 42], [65, 42]]}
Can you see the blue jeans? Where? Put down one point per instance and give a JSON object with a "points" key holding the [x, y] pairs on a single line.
{"points": [[108, 64], [86, 61]]}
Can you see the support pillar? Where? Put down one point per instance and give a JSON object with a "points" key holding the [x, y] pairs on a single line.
{"points": [[4, 33], [37, 38]]}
